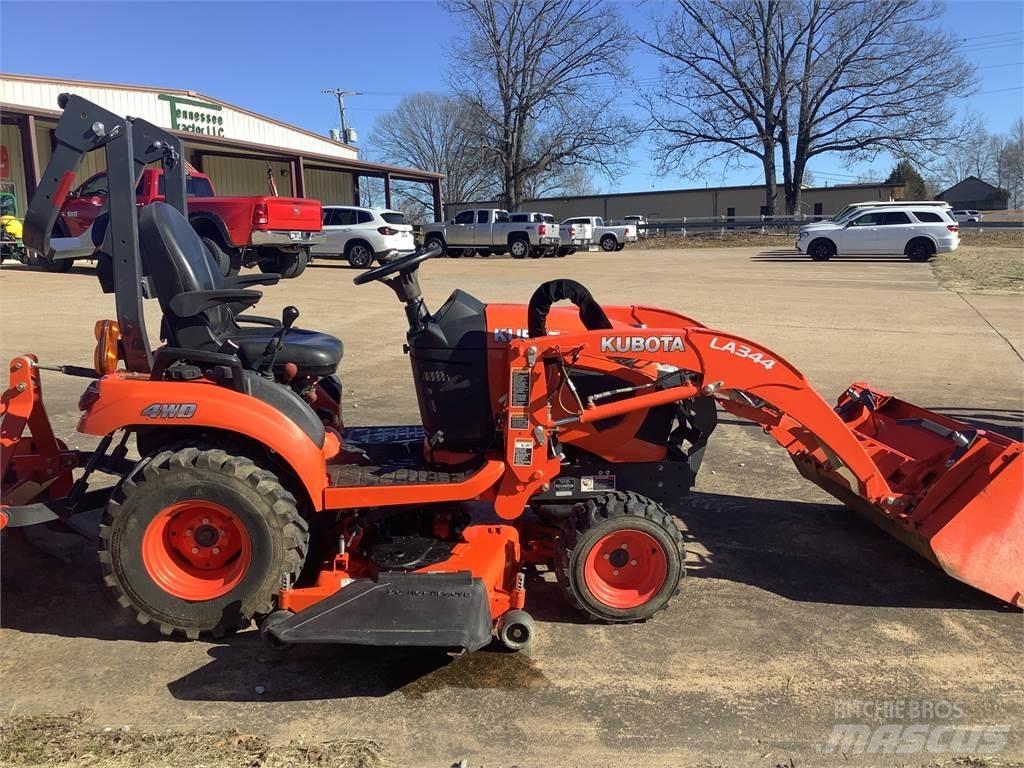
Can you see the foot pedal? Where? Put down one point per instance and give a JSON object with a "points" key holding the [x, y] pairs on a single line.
{"points": [[422, 609]]}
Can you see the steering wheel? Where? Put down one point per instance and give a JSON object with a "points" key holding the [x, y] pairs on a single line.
{"points": [[403, 264]]}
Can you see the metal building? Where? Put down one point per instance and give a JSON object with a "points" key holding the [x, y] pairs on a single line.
{"points": [[699, 203], [233, 145]]}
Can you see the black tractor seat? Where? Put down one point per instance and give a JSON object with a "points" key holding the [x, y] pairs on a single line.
{"points": [[202, 309]]}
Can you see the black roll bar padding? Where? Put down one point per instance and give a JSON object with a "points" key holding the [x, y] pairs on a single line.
{"points": [[591, 314]]}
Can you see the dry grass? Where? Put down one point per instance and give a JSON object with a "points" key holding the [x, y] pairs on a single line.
{"points": [[732, 238], [70, 741], [990, 261]]}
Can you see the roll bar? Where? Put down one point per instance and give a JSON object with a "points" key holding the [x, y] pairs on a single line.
{"points": [[129, 145]]}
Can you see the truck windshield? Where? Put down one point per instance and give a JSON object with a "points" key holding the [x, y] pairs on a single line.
{"points": [[194, 187]]}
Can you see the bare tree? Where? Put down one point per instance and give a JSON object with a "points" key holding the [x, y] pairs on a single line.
{"points": [[433, 132], [721, 92], [812, 77], [1011, 162], [539, 76]]}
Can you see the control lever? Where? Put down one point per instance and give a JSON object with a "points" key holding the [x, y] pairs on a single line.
{"points": [[288, 317]]}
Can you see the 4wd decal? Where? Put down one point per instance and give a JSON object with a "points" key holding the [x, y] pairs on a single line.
{"points": [[169, 411], [642, 344], [742, 350]]}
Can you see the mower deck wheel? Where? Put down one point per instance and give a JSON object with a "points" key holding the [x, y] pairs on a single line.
{"points": [[200, 541], [516, 630], [620, 557]]}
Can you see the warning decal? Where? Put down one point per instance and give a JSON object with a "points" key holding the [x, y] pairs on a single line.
{"points": [[597, 483], [520, 388], [518, 422], [522, 455]]}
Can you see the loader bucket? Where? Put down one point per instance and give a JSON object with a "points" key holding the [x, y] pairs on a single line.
{"points": [[958, 491]]}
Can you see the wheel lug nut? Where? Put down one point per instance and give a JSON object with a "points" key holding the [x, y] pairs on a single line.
{"points": [[188, 531], [206, 521], [216, 550], [195, 550], [606, 557], [632, 562], [615, 572]]}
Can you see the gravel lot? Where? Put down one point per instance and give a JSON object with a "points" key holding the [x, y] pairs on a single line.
{"points": [[796, 616]]}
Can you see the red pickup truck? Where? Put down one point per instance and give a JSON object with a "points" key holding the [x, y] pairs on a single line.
{"points": [[274, 233]]}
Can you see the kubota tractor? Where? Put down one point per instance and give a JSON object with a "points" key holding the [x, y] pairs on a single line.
{"points": [[547, 435]]}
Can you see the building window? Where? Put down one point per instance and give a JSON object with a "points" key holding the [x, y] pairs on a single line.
{"points": [[817, 210]]}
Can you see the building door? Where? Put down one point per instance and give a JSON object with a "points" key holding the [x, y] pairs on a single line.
{"points": [[730, 215], [817, 211]]}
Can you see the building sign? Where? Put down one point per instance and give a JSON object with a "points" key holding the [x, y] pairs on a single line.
{"points": [[194, 116]]}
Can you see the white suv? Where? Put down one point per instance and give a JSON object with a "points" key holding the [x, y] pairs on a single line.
{"points": [[967, 217], [364, 234], [916, 231]]}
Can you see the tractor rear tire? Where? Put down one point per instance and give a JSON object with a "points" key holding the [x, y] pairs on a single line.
{"points": [[200, 541], [620, 557]]}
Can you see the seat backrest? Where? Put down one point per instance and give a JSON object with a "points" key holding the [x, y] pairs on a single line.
{"points": [[177, 262]]}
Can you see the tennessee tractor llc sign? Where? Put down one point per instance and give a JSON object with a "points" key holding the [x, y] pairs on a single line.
{"points": [[194, 116]]}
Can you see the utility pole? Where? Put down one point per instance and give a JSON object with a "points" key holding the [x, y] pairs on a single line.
{"points": [[347, 135]]}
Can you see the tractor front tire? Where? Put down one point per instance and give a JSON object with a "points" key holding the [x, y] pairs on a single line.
{"points": [[620, 558], [200, 541]]}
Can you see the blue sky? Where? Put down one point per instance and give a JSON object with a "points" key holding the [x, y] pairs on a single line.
{"points": [[275, 57]]}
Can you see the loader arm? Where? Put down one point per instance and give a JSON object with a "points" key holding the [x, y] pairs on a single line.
{"points": [[953, 493]]}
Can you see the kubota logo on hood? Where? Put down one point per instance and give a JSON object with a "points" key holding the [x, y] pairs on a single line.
{"points": [[642, 344]]}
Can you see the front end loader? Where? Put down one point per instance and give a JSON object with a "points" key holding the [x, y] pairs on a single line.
{"points": [[548, 436]]}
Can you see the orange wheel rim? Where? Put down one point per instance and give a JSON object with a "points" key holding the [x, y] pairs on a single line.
{"points": [[626, 568], [196, 550]]}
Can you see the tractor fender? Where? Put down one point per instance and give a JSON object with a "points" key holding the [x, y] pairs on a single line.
{"points": [[123, 401]]}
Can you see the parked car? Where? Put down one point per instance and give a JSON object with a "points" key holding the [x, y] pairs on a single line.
{"points": [[274, 233], [361, 235], [640, 222], [574, 236], [608, 237], [917, 231], [491, 231], [967, 217]]}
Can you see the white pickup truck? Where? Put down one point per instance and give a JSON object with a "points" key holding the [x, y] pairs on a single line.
{"points": [[491, 230], [574, 237], [609, 238]]}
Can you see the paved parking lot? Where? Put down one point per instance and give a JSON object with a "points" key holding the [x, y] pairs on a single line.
{"points": [[795, 612]]}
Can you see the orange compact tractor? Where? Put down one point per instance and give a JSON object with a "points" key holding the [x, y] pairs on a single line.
{"points": [[548, 435]]}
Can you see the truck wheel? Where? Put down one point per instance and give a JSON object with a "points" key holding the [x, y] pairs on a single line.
{"points": [[620, 557], [359, 254], [219, 255], [608, 243], [537, 252], [456, 253], [821, 249], [287, 265], [519, 248], [919, 249], [431, 241], [200, 541], [620, 246]]}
